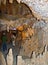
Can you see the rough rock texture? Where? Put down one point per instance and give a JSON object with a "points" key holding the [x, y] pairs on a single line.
{"points": [[18, 22], [33, 34], [36, 41], [41, 59], [10, 57], [2, 59], [38, 7]]}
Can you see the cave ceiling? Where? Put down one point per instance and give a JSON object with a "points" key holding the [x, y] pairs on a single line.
{"points": [[38, 7]]}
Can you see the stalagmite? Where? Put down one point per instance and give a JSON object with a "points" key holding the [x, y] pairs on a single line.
{"points": [[45, 48], [7, 28], [34, 55], [2, 59], [10, 57], [19, 60]]}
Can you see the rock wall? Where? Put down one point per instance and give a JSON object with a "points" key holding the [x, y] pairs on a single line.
{"points": [[38, 7], [33, 35], [41, 59], [37, 41]]}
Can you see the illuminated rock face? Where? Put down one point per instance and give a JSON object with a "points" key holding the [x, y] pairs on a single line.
{"points": [[38, 7], [10, 57]]}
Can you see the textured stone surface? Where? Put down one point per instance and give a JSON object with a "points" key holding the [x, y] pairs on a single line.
{"points": [[2, 59], [37, 41], [33, 35], [38, 7], [39, 60], [10, 57]]}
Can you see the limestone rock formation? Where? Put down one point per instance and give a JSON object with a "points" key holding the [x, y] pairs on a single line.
{"points": [[32, 32], [2, 59], [31, 35], [10, 57], [38, 7], [10, 1], [41, 59]]}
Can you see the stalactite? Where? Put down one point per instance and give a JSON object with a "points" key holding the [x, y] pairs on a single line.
{"points": [[4, 2], [10, 1], [18, 1]]}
